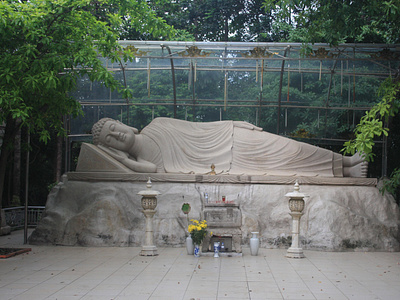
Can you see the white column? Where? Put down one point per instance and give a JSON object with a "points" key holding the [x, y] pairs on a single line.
{"points": [[295, 251], [148, 248]]}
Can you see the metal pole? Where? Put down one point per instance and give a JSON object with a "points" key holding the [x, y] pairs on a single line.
{"points": [[280, 90], [66, 144], [26, 189], [384, 155], [329, 95], [258, 109], [193, 93], [173, 77]]}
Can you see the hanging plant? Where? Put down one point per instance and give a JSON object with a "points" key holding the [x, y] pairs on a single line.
{"points": [[186, 208]]}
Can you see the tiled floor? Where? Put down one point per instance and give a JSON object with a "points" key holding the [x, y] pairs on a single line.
{"points": [[120, 273]]}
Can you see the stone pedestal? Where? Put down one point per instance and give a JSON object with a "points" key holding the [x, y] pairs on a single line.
{"points": [[296, 206], [149, 203], [295, 251], [148, 248]]}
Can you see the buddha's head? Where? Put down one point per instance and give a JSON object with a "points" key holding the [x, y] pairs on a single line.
{"points": [[113, 134]]}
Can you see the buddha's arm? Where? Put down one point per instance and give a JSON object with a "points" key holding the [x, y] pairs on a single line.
{"points": [[144, 166], [139, 165], [114, 153]]}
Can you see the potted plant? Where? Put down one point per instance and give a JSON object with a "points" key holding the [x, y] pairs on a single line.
{"points": [[198, 231]]}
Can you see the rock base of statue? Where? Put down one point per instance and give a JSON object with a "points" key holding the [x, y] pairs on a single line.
{"points": [[254, 244], [4, 228], [339, 218], [189, 245], [197, 250]]}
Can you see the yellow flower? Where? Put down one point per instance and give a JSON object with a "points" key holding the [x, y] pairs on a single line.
{"points": [[191, 228], [197, 230]]}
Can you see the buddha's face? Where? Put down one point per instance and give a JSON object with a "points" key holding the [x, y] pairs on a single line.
{"points": [[117, 135]]}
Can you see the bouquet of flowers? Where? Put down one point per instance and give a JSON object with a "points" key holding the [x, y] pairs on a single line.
{"points": [[197, 230]]}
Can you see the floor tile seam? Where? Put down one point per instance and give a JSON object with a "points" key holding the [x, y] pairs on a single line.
{"points": [[31, 275], [136, 256], [153, 258], [18, 294], [169, 269], [100, 283], [219, 276], [76, 279], [191, 277], [71, 267], [273, 276], [247, 278], [367, 287], [47, 297], [329, 280]]}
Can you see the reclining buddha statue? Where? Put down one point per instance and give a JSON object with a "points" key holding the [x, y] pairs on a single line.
{"points": [[232, 147]]}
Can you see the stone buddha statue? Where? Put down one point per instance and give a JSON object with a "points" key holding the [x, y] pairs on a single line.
{"points": [[176, 146]]}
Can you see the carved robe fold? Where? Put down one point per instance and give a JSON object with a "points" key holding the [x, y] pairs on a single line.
{"points": [[236, 148]]}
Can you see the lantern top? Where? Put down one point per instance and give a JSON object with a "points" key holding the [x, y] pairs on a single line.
{"points": [[149, 192], [296, 193]]}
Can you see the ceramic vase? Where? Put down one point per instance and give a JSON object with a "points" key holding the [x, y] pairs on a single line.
{"points": [[216, 249], [196, 250], [189, 245], [254, 244]]}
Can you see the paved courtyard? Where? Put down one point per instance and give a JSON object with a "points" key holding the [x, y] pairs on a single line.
{"points": [[57, 272]]}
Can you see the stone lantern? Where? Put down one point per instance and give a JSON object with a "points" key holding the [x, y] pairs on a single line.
{"points": [[296, 206], [149, 203]]}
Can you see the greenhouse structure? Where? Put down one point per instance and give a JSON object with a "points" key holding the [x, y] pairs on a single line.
{"points": [[313, 93]]}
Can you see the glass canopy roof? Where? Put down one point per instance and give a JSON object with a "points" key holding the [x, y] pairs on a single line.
{"points": [[313, 92]]}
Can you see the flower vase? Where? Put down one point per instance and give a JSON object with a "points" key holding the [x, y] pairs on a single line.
{"points": [[254, 244], [196, 250], [189, 245], [216, 249]]}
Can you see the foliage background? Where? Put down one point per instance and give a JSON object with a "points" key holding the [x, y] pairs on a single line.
{"points": [[306, 21]]}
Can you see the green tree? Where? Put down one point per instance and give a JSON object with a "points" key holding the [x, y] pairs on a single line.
{"points": [[335, 22], [342, 21], [46, 46], [212, 20]]}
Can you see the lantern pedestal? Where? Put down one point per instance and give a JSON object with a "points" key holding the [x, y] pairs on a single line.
{"points": [[149, 203], [148, 248], [295, 251], [296, 206]]}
